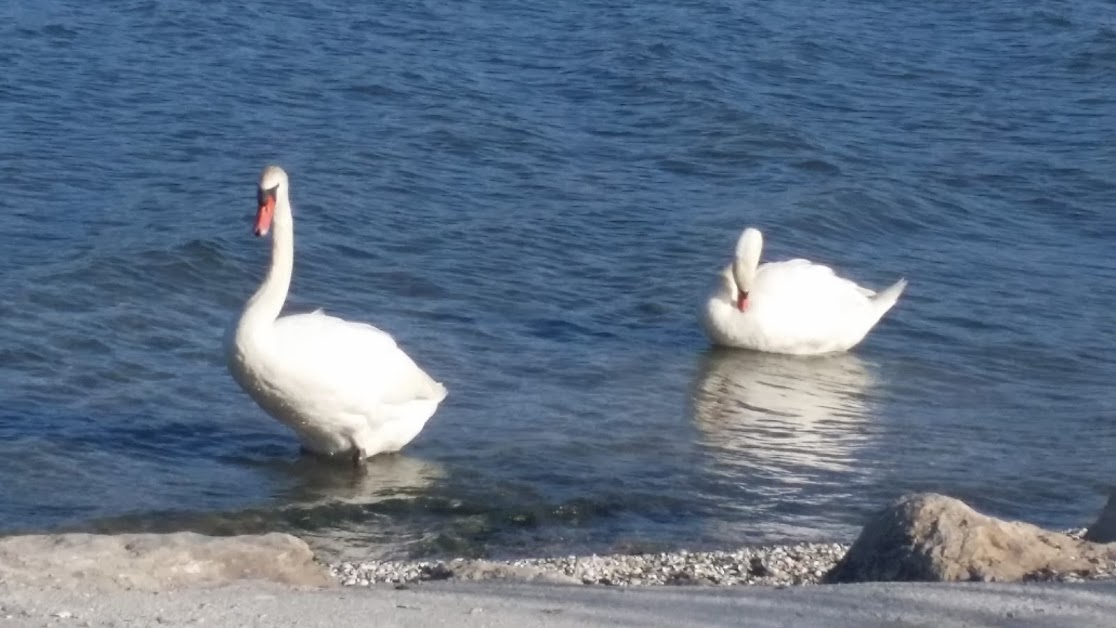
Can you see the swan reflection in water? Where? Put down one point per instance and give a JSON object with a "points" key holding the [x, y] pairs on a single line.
{"points": [[314, 482], [787, 421], [365, 511]]}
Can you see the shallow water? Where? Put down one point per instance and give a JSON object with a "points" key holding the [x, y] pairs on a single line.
{"points": [[534, 201]]}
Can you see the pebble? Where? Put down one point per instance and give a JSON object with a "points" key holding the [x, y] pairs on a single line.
{"points": [[777, 565], [803, 563]]}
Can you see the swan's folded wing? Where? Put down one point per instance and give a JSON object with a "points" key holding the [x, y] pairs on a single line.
{"points": [[353, 359], [808, 281]]}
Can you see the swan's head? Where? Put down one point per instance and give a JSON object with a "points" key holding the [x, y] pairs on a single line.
{"points": [[744, 264], [273, 181]]}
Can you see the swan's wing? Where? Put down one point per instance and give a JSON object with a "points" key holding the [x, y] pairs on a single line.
{"points": [[807, 306], [806, 280], [350, 359]]}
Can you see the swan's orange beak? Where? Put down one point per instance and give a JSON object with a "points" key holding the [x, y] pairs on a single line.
{"points": [[742, 301], [266, 201]]}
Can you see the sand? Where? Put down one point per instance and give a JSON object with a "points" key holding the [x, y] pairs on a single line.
{"points": [[522, 605]]}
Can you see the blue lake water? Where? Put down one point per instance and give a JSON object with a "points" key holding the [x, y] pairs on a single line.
{"points": [[534, 198]]}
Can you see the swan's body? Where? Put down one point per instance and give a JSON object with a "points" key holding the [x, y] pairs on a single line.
{"points": [[795, 307], [345, 388]]}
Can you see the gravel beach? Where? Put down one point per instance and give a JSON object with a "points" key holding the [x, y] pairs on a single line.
{"points": [[775, 565], [803, 563]]}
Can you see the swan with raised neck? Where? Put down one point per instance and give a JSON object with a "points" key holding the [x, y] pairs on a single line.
{"points": [[344, 388]]}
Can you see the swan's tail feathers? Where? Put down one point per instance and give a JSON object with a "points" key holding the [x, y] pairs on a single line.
{"points": [[439, 392], [887, 297]]}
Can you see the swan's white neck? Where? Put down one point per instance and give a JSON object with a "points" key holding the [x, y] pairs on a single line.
{"points": [[746, 260], [266, 304]]}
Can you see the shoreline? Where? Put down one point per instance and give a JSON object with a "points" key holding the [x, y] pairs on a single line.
{"points": [[774, 565], [1027, 576]]}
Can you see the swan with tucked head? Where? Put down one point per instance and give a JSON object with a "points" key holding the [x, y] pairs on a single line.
{"points": [[345, 388], [795, 307]]}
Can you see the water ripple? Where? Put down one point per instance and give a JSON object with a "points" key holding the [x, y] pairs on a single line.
{"points": [[534, 200]]}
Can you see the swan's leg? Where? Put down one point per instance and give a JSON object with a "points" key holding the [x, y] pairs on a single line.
{"points": [[358, 458], [357, 440]]}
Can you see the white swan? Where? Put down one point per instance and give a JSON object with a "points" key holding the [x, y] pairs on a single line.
{"points": [[345, 388], [795, 307]]}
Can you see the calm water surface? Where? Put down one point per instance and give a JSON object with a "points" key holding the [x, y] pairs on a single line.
{"points": [[534, 198]]}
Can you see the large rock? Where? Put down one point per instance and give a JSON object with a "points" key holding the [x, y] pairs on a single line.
{"points": [[156, 561], [928, 537], [1104, 530]]}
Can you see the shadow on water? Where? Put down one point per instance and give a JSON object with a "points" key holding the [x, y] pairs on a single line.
{"points": [[332, 506]]}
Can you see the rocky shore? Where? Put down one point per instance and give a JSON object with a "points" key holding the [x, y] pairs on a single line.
{"points": [[780, 565], [919, 538], [276, 580], [776, 565]]}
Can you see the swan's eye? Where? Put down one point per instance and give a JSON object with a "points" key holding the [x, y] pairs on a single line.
{"points": [[262, 195]]}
